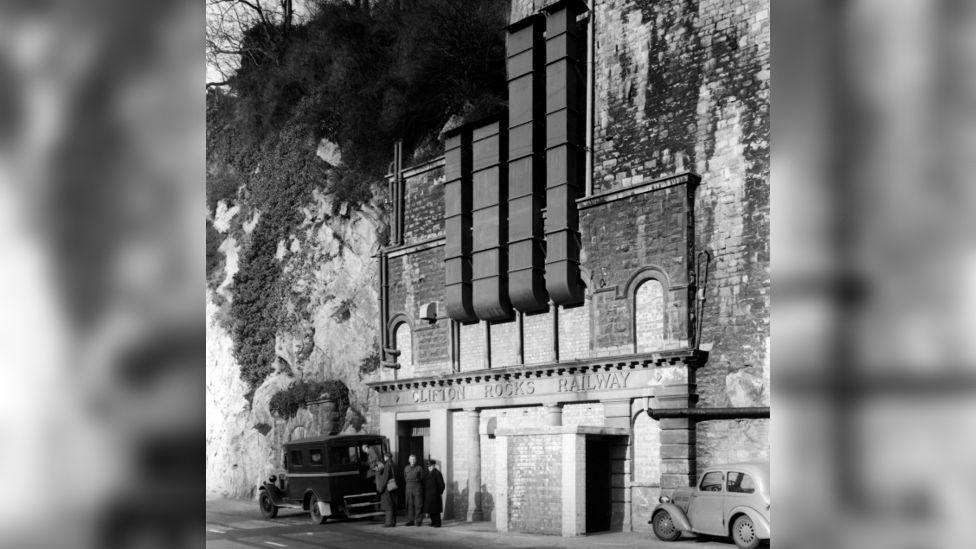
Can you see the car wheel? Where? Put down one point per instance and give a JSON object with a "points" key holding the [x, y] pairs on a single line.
{"points": [[744, 533], [268, 509], [664, 527], [313, 510]]}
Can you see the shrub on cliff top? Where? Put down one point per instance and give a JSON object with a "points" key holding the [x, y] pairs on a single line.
{"points": [[286, 402]]}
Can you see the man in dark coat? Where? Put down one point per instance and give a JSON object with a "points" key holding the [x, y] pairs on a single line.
{"points": [[433, 489], [413, 477], [384, 472]]}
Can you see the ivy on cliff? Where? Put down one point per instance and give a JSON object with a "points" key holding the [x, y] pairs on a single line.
{"points": [[360, 75]]}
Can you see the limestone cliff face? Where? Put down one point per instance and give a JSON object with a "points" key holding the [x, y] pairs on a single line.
{"points": [[330, 299]]}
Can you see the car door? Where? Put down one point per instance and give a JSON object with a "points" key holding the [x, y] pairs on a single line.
{"points": [[740, 490], [706, 511], [297, 482]]}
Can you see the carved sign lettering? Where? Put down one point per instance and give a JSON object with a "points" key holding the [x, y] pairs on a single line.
{"points": [[593, 382], [579, 383]]}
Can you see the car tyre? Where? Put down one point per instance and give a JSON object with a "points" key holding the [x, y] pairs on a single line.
{"points": [[664, 527], [313, 510], [744, 533], [268, 509]]}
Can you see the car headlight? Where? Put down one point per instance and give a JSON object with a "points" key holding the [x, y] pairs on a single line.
{"points": [[664, 499]]}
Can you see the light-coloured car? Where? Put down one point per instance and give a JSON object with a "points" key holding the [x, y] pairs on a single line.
{"points": [[728, 500]]}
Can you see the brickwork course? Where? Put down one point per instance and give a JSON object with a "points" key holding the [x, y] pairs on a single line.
{"points": [[680, 117]]}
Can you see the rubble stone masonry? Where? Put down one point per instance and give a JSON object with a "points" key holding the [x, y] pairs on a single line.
{"points": [[680, 147]]}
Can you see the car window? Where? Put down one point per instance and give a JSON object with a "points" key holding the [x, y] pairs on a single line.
{"points": [[315, 457], [344, 455], [296, 458], [741, 483], [711, 482]]}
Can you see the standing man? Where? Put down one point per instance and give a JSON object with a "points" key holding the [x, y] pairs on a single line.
{"points": [[413, 475], [384, 472], [433, 489], [372, 459]]}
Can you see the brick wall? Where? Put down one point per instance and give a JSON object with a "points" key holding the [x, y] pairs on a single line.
{"points": [[646, 480], [679, 86], [591, 413], [423, 199], [574, 332], [403, 339], [504, 344], [415, 279], [472, 347], [649, 316], [535, 483], [538, 338], [684, 85], [621, 240], [504, 418]]}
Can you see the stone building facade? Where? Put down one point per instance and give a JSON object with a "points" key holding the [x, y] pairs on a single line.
{"points": [[575, 298]]}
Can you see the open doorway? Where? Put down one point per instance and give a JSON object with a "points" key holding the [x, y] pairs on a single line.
{"points": [[598, 493], [413, 437]]}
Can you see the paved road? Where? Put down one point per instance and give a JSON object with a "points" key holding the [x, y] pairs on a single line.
{"points": [[238, 524]]}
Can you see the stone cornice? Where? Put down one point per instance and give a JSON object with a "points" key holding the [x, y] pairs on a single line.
{"points": [[683, 178], [691, 357], [563, 430], [397, 251]]}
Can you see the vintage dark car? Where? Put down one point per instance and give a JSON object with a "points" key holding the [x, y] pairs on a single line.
{"points": [[729, 500], [328, 476]]}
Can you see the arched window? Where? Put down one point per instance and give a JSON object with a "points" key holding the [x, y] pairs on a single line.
{"points": [[649, 316], [403, 340], [647, 451]]}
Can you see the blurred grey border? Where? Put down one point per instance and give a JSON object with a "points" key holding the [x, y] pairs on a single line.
{"points": [[102, 332], [874, 273]]}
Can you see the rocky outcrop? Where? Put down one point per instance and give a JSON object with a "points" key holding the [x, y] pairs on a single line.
{"points": [[329, 332]]}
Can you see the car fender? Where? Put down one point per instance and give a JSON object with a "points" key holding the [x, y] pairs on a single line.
{"points": [[325, 508], [759, 522], [273, 491], [677, 516]]}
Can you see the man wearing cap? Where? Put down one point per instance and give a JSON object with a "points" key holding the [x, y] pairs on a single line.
{"points": [[433, 489]]}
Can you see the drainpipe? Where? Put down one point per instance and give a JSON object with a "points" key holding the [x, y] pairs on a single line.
{"points": [[590, 100], [383, 320], [704, 414]]}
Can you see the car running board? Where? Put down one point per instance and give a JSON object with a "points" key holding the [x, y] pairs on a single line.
{"points": [[370, 507]]}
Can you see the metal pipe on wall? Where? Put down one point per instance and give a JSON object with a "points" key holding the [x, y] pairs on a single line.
{"points": [[590, 75], [747, 412]]}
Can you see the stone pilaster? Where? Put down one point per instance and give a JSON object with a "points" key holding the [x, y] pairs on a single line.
{"points": [[473, 423], [678, 467], [574, 484], [501, 483]]}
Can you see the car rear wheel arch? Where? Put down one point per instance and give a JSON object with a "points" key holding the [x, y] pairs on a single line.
{"points": [[732, 534]]}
